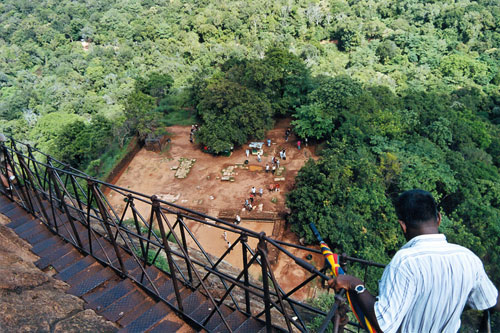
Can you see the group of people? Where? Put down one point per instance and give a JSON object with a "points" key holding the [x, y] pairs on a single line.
{"points": [[275, 162], [194, 128], [249, 203], [274, 187]]}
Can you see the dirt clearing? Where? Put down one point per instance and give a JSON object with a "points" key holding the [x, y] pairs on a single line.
{"points": [[218, 186]]}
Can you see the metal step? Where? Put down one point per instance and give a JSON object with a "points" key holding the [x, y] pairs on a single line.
{"points": [[21, 220], [122, 306], [4, 201], [215, 320], [136, 310], [74, 269], [47, 246], [89, 279], [67, 260], [36, 234], [153, 273], [165, 326], [13, 211], [27, 226], [235, 320], [250, 325], [202, 312], [102, 288], [112, 295], [193, 302], [58, 254], [148, 319], [101, 249]]}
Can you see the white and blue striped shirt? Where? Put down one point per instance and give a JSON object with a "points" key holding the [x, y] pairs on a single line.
{"points": [[426, 285]]}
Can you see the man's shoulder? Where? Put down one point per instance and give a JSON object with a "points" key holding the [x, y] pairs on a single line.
{"points": [[409, 254]]}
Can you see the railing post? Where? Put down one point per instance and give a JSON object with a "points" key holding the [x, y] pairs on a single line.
{"points": [[168, 251], [262, 248], [244, 240], [62, 202], [105, 217], [9, 160], [51, 199], [130, 201], [35, 169], [184, 245]]}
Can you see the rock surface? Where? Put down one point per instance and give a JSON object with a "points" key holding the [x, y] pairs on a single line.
{"points": [[31, 300]]}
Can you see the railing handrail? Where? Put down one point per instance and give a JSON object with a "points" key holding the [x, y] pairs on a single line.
{"points": [[53, 183]]}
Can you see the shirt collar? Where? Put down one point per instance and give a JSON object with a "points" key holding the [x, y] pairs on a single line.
{"points": [[424, 239]]}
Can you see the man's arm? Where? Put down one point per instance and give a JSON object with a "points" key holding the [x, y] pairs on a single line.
{"points": [[365, 300]]}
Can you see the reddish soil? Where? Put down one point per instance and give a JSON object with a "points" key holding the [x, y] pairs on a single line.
{"points": [[203, 190]]}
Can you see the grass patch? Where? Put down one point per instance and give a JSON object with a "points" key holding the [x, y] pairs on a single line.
{"points": [[160, 261], [174, 109], [179, 117], [130, 224], [102, 167]]}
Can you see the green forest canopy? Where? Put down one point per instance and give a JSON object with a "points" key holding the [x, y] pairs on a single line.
{"points": [[400, 94]]}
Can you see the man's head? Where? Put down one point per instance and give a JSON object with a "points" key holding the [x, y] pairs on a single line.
{"points": [[417, 212]]}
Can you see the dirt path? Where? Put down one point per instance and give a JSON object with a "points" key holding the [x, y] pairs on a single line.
{"points": [[203, 190]]}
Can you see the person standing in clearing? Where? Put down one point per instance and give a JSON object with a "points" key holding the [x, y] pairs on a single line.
{"points": [[261, 192], [267, 167], [298, 144], [258, 157], [253, 190], [429, 281], [247, 152]]}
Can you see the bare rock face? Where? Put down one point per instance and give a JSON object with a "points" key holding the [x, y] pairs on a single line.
{"points": [[31, 300], [84, 321]]}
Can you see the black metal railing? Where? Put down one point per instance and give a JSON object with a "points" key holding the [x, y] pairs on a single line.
{"points": [[73, 205]]}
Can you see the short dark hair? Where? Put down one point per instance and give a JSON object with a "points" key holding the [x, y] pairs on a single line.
{"points": [[415, 207]]}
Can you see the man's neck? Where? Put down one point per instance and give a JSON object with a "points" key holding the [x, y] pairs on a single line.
{"points": [[422, 230]]}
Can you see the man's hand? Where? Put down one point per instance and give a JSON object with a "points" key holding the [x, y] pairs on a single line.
{"points": [[365, 299], [344, 281]]}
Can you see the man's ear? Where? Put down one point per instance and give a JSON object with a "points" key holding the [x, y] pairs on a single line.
{"points": [[403, 226], [439, 219]]}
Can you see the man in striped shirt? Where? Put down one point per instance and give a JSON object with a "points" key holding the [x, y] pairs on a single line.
{"points": [[429, 281]]}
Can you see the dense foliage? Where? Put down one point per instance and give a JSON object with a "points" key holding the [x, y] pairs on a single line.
{"points": [[400, 94]]}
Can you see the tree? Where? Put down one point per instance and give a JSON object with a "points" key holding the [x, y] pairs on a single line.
{"points": [[387, 50], [140, 115], [156, 85], [328, 105], [280, 75], [231, 114], [79, 143]]}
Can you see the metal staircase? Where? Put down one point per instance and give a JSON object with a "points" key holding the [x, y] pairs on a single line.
{"points": [[147, 273]]}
